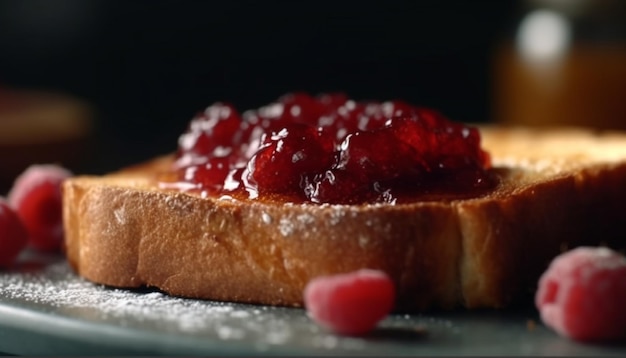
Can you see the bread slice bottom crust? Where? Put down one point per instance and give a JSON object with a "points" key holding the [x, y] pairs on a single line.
{"points": [[123, 231]]}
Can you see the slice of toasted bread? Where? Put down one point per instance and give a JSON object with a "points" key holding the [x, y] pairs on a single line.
{"points": [[558, 189]]}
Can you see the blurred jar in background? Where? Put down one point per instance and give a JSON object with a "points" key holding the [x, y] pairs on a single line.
{"points": [[41, 127], [564, 65]]}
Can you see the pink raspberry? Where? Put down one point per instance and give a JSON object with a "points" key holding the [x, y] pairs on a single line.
{"points": [[36, 197], [582, 295], [13, 235], [351, 303]]}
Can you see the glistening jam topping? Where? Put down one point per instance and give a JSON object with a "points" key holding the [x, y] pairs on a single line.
{"points": [[330, 149]]}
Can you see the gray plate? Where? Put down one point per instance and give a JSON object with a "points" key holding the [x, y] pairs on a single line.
{"points": [[46, 309]]}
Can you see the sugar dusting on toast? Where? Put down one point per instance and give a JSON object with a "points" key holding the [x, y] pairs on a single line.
{"points": [[55, 288], [61, 289]]}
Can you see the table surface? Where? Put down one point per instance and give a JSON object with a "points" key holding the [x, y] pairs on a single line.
{"points": [[46, 309]]}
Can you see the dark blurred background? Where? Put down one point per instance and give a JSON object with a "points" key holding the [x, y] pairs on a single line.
{"points": [[147, 66]]}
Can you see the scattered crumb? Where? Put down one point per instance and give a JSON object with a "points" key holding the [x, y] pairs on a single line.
{"points": [[531, 325]]}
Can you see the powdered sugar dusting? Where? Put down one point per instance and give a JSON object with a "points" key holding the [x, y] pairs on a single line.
{"points": [[337, 214], [58, 287], [55, 288], [267, 218], [120, 215], [286, 227], [305, 219]]}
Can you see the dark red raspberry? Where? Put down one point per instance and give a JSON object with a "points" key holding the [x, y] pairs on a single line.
{"points": [[36, 197], [582, 295], [13, 236]]}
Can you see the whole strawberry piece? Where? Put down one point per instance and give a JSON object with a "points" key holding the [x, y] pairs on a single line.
{"points": [[36, 197]]}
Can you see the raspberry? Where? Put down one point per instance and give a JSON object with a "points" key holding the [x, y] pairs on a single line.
{"points": [[36, 197], [351, 303], [582, 295], [13, 236]]}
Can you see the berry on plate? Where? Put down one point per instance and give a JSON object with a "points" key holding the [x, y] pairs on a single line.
{"points": [[582, 295], [36, 197], [350, 303], [12, 235]]}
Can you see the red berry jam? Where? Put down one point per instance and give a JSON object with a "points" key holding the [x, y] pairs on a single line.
{"points": [[330, 149]]}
